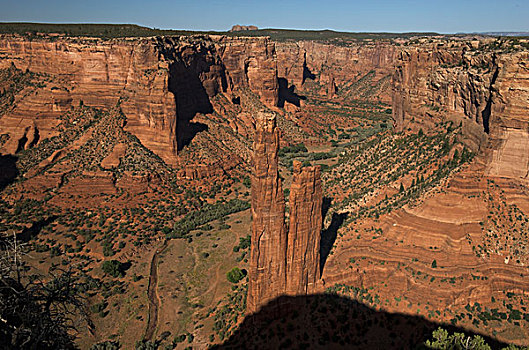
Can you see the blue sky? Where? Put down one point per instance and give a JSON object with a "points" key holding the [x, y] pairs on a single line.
{"points": [[444, 16]]}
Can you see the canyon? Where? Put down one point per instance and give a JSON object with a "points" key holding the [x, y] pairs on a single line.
{"points": [[387, 172], [160, 84]]}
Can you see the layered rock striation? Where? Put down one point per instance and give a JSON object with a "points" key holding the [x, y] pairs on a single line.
{"points": [[481, 86], [333, 66], [303, 248], [161, 83], [267, 275], [282, 262]]}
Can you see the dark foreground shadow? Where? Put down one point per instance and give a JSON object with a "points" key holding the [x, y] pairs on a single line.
{"points": [[8, 170], [328, 237], [329, 321]]}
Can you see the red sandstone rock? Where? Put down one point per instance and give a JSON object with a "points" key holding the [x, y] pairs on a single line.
{"points": [[280, 263], [267, 275], [486, 91], [345, 64], [251, 62], [303, 252], [161, 83]]}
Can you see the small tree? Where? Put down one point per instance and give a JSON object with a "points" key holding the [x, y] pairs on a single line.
{"points": [[434, 264], [235, 275], [114, 268], [38, 312], [444, 340]]}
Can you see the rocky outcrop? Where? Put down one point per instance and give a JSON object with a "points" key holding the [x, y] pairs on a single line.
{"points": [[483, 87], [282, 263], [267, 275], [339, 66], [250, 62], [433, 78], [99, 73], [303, 251], [160, 83], [238, 28]]}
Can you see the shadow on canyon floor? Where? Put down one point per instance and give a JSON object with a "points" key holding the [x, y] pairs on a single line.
{"points": [[33, 231], [329, 321], [187, 131], [328, 236], [8, 170], [288, 94]]}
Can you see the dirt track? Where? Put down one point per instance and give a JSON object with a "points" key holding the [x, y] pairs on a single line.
{"points": [[152, 294]]}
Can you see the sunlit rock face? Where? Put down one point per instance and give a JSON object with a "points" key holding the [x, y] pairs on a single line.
{"points": [[282, 262], [159, 83]]}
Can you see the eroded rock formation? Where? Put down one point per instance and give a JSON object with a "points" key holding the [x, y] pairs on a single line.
{"points": [[303, 252], [482, 87], [267, 275], [160, 83], [238, 28], [280, 262], [346, 67]]}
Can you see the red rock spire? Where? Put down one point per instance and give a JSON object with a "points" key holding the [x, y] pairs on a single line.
{"points": [[279, 263], [267, 275], [303, 249]]}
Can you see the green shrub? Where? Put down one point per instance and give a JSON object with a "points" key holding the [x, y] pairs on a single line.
{"points": [[100, 307], [114, 268], [106, 345], [206, 214], [180, 338], [444, 340], [235, 275]]}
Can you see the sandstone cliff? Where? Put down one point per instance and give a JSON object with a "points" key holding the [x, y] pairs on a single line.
{"points": [[280, 262], [161, 83], [481, 86], [341, 66], [267, 275]]}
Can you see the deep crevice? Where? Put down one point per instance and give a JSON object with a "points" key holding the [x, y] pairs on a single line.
{"points": [[191, 98], [307, 74], [485, 114], [9, 171]]}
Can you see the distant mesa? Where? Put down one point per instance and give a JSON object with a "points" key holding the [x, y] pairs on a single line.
{"points": [[239, 28]]}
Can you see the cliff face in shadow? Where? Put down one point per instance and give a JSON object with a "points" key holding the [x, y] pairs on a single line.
{"points": [[329, 321]]}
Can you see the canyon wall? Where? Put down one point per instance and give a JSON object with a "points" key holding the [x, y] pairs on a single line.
{"points": [[282, 262], [161, 83], [338, 67], [484, 88]]}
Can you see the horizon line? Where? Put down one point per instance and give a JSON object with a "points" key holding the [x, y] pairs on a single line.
{"points": [[269, 28]]}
